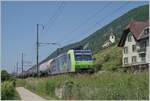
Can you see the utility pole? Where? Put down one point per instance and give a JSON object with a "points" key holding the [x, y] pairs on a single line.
{"points": [[37, 47], [37, 50], [22, 62], [14, 69], [17, 68]]}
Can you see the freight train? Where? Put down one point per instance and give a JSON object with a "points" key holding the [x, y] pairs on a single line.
{"points": [[70, 62]]}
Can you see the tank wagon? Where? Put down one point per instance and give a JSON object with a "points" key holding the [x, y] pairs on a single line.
{"points": [[45, 67], [71, 61]]}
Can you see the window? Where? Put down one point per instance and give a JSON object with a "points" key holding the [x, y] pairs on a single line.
{"points": [[143, 59], [134, 59], [125, 60], [146, 32], [142, 56], [143, 44], [133, 48], [125, 50], [83, 57], [129, 38]]}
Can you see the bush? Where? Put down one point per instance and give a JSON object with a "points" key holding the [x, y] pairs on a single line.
{"points": [[5, 76], [109, 59], [7, 91]]}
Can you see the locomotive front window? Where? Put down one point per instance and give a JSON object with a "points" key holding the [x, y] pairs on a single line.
{"points": [[87, 57], [78, 57], [83, 57]]}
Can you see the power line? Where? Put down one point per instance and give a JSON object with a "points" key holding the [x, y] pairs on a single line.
{"points": [[55, 16], [116, 10], [89, 18], [58, 11], [103, 19], [52, 19]]}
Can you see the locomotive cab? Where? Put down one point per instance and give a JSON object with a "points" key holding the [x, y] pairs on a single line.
{"points": [[81, 60]]}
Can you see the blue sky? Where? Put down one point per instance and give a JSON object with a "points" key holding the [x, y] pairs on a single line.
{"points": [[19, 21]]}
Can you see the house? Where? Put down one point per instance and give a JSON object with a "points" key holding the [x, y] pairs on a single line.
{"points": [[135, 44], [110, 40]]}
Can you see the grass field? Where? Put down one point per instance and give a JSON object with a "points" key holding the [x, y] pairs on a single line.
{"points": [[100, 86]]}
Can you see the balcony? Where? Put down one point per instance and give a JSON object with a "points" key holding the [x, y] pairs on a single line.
{"points": [[142, 50]]}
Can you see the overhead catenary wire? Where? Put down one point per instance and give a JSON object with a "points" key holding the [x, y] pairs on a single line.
{"points": [[114, 12], [53, 18], [102, 19], [79, 26], [88, 19], [59, 9], [56, 14]]}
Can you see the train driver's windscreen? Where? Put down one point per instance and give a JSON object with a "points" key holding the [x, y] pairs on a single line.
{"points": [[83, 55]]}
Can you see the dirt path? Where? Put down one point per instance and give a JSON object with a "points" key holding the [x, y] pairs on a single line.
{"points": [[27, 95]]}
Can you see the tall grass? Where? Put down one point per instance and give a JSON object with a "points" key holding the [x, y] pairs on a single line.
{"points": [[106, 86]]}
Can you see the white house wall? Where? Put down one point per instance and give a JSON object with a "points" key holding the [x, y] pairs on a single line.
{"points": [[130, 52]]}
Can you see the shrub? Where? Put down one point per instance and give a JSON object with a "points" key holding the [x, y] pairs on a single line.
{"points": [[5, 76], [109, 59], [7, 91]]}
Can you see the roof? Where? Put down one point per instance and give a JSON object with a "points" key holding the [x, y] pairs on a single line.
{"points": [[136, 27]]}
